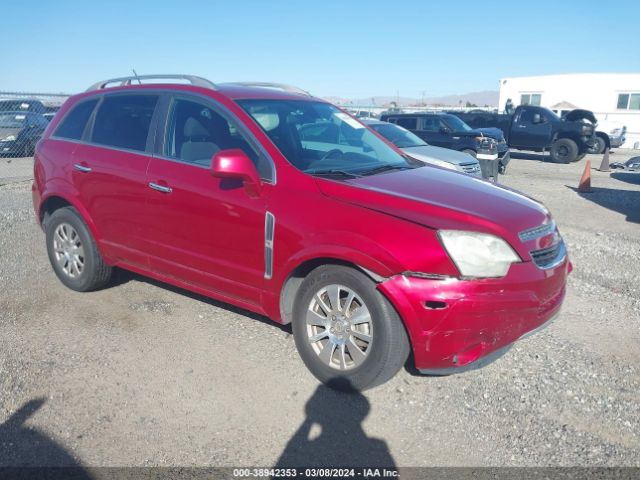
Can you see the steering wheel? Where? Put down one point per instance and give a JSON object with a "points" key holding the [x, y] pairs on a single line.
{"points": [[330, 153]]}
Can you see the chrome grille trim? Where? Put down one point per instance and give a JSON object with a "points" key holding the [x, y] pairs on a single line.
{"points": [[537, 232], [550, 257]]}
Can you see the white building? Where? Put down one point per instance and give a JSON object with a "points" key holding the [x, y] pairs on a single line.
{"points": [[614, 97]]}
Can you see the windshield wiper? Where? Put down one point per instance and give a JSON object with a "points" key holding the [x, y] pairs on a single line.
{"points": [[386, 168], [333, 172]]}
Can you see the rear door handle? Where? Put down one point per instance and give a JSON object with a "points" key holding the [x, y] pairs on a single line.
{"points": [[522, 126], [81, 168], [160, 188]]}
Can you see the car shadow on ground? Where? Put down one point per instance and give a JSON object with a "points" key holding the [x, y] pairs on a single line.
{"points": [[24, 446], [331, 435], [121, 276], [626, 202], [628, 177], [539, 157]]}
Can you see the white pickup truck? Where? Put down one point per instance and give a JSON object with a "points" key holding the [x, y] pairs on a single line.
{"points": [[608, 135]]}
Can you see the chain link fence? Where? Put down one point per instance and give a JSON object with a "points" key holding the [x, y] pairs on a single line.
{"points": [[23, 118]]}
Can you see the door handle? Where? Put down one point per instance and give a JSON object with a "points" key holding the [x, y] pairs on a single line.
{"points": [[160, 188], [81, 168], [522, 126]]}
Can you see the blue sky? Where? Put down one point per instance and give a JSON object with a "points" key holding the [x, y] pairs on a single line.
{"points": [[344, 48]]}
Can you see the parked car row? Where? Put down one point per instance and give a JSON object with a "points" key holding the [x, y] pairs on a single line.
{"points": [[534, 128], [283, 204], [22, 123], [19, 132]]}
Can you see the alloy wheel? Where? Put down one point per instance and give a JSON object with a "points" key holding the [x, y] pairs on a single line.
{"points": [[339, 327], [68, 250]]}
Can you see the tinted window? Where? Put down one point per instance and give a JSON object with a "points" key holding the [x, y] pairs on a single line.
{"points": [[73, 124], [410, 123], [430, 124], [196, 132], [123, 121]]}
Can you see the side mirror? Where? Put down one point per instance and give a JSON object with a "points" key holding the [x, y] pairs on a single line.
{"points": [[537, 118], [445, 129], [235, 164]]}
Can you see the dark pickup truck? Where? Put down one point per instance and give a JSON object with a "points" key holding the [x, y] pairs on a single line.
{"points": [[539, 129]]}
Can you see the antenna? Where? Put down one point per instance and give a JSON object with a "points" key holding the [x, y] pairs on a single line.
{"points": [[136, 75]]}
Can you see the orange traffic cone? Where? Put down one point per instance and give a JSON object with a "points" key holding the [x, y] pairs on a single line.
{"points": [[585, 181], [604, 166]]}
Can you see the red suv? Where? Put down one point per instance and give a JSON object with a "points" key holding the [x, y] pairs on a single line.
{"points": [[267, 198]]}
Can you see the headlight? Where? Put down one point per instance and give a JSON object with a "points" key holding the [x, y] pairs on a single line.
{"points": [[10, 138], [478, 254], [443, 164]]}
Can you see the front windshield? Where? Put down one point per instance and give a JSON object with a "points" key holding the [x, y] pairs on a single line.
{"points": [[11, 120], [550, 114], [456, 124], [400, 137], [318, 138]]}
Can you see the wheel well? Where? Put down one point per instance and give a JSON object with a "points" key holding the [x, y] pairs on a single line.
{"points": [[297, 276], [605, 137], [50, 205]]}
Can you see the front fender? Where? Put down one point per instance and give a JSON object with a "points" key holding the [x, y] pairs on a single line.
{"points": [[357, 250]]}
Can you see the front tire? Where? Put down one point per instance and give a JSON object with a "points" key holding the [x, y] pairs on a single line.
{"points": [[73, 253], [347, 333], [564, 150], [598, 146]]}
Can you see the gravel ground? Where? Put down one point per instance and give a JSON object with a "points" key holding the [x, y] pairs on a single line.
{"points": [[145, 374]]}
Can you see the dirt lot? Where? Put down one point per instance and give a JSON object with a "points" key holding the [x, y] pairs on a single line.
{"points": [[145, 374]]}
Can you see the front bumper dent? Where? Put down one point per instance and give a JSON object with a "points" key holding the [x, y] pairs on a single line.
{"points": [[453, 323]]}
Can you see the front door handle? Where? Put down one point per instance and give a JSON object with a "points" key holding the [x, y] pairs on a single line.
{"points": [[81, 168], [522, 126], [160, 188]]}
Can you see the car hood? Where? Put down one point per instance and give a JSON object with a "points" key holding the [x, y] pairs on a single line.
{"points": [[8, 131], [491, 132], [427, 153], [442, 199], [580, 114]]}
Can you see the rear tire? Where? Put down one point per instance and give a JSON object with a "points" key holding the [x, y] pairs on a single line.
{"points": [[564, 150], [360, 342], [598, 147], [73, 253], [580, 157]]}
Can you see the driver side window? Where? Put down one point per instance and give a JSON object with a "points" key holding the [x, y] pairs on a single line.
{"points": [[196, 132]]}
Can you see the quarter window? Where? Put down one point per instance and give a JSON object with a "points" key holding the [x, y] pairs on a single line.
{"points": [[629, 101], [75, 122], [123, 121]]}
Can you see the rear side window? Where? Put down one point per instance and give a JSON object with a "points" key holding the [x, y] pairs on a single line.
{"points": [[410, 123], [76, 120], [123, 121]]}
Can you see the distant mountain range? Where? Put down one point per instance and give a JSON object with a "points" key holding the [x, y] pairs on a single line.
{"points": [[487, 97]]}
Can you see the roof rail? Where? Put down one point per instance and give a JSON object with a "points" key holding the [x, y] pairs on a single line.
{"points": [[281, 86], [123, 81]]}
